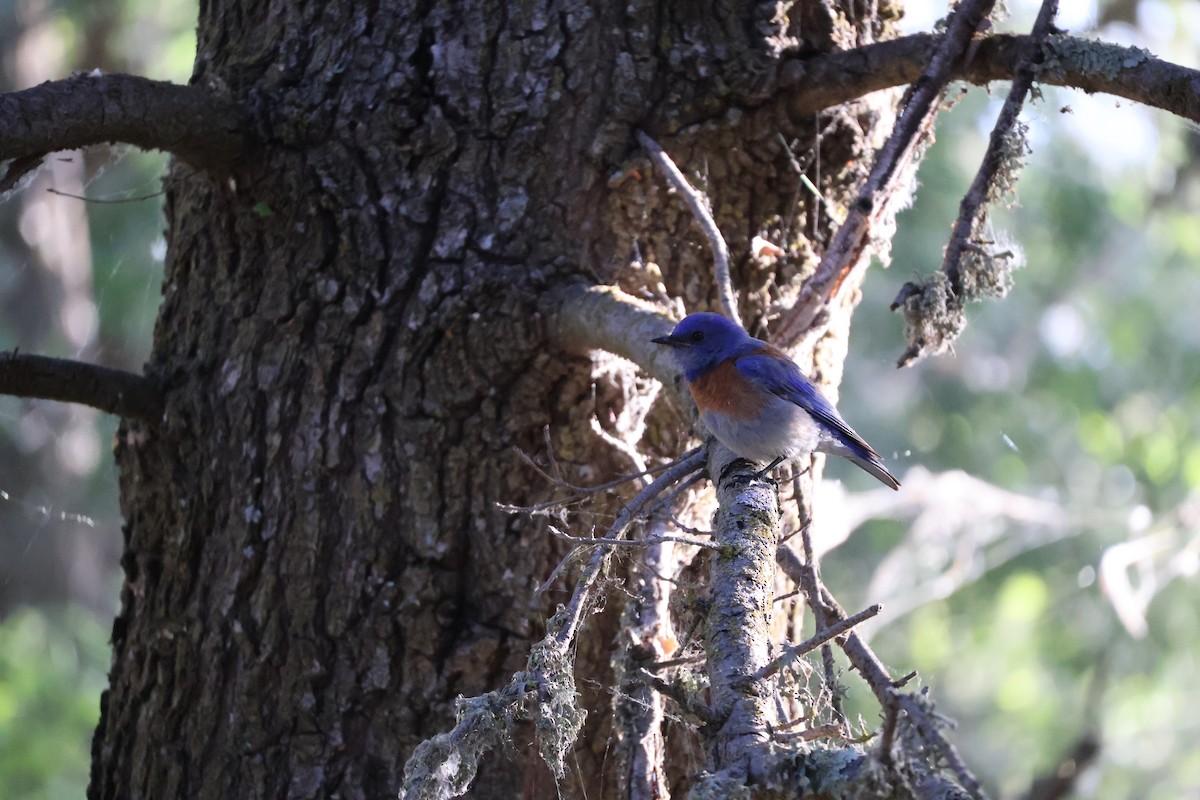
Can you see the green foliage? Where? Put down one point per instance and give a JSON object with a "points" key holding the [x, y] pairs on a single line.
{"points": [[53, 666]]}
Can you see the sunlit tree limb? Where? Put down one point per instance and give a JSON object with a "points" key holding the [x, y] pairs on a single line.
{"points": [[818, 83]]}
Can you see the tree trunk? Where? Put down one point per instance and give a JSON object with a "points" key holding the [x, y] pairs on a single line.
{"points": [[316, 563]]}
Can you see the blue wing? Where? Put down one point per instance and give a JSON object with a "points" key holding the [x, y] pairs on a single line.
{"points": [[771, 369]]}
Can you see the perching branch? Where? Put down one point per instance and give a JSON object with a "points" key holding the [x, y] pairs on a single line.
{"points": [[876, 198], [200, 127], [112, 390], [697, 203], [737, 642]]}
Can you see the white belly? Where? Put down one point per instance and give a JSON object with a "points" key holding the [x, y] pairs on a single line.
{"points": [[782, 429]]}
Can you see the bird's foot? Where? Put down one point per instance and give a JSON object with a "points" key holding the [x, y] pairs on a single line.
{"points": [[765, 472]]}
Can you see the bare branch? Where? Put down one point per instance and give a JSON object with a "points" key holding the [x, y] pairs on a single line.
{"points": [[112, 390], [646, 636], [699, 206], [198, 126], [583, 541], [920, 712], [580, 600], [876, 198], [681, 697]]}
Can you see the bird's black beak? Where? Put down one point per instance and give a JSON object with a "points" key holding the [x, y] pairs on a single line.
{"points": [[669, 341]]}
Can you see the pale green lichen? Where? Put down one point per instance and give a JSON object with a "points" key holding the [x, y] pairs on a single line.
{"points": [[1012, 156], [444, 766], [1069, 54], [986, 268], [719, 786], [560, 717], [933, 317]]}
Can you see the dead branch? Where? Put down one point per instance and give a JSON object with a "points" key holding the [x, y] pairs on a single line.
{"points": [[698, 203], [452, 757], [982, 187], [584, 541], [205, 130], [792, 652], [580, 600], [973, 269], [646, 636], [111, 390]]}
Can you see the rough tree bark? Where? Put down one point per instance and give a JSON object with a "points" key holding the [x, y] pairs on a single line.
{"points": [[367, 320]]}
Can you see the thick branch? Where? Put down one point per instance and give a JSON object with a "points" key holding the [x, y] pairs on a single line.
{"points": [[580, 317], [814, 84], [111, 390], [738, 621], [203, 129]]}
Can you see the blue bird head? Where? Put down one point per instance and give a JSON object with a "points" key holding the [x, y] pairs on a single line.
{"points": [[702, 341]]}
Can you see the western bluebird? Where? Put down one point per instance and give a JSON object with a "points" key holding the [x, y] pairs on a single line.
{"points": [[757, 402]]}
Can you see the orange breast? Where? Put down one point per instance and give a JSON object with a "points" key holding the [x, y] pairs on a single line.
{"points": [[723, 390]]}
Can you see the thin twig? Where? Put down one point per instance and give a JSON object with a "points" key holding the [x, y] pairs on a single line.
{"points": [[669, 501], [861, 656], [687, 703], [876, 675], [882, 187], [697, 203], [675, 662], [923, 720], [823, 621], [106, 200], [793, 652], [812, 188], [830, 730], [677, 471], [581, 492], [581, 541]]}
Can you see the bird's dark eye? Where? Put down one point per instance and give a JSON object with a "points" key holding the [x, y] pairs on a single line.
{"points": [[697, 336]]}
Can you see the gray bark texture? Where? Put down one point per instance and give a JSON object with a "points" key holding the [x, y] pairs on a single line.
{"points": [[355, 340]]}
